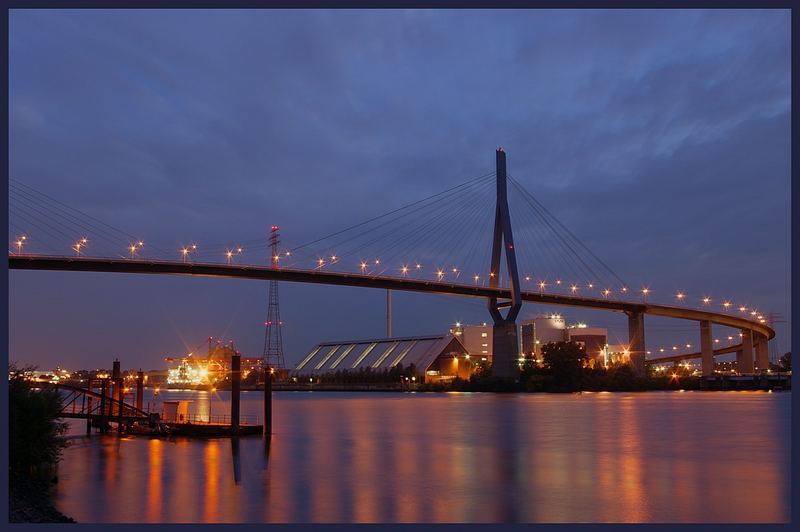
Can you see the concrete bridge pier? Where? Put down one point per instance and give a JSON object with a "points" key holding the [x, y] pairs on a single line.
{"points": [[744, 356], [505, 350], [762, 352], [636, 347], [706, 348]]}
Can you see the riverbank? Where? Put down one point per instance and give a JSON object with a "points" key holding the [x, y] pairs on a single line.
{"points": [[29, 501]]}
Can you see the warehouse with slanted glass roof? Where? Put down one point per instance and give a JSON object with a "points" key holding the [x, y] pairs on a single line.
{"points": [[436, 358]]}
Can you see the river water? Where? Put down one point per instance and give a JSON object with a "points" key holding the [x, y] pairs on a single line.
{"points": [[449, 457]]}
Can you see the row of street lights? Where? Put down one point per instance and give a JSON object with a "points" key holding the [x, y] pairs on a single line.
{"points": [[404, 271]]}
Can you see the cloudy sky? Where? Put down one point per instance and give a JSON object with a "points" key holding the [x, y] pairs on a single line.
{"points": [[660, 138]]}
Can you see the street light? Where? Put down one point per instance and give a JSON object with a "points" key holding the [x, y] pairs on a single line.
{"points": [[80, 243], [20, 242], [184, 252]]}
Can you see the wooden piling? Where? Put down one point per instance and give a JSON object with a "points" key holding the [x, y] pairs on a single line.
{"points": [[139, 389], [88, 412], [120, 398], [103, 387], [236, 377], [267, 401]]}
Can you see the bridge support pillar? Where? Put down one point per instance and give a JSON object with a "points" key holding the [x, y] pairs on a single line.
{"points": [[505, 347], [505, 351], [636, 347], [762, 352], [706, 348], [236, 378], [744, 357]]}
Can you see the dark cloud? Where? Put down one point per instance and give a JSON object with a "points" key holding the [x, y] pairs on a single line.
{"points": [[660, 137]]}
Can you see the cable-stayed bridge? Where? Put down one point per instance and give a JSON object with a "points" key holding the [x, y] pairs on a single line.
{"points": [[487, 238]]}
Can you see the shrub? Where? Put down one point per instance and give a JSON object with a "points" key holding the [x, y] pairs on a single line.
{"points": [[36, 437]]}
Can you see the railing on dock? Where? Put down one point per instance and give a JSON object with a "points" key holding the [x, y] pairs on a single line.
{"points": [[215, 419]]}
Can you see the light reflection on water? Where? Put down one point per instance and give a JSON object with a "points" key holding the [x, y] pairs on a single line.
{"points": [[391, 457]]}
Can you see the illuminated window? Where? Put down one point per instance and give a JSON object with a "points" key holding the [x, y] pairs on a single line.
{"points": [[309, 357], [341, 357], [484, 335], [485, 352], [484, 345], [369, 348]]}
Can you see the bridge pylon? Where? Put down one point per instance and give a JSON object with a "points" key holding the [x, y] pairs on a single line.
{"points": [[505, 346]]}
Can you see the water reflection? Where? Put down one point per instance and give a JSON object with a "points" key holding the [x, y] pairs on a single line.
{"points": [[655, 457], [237, 466]]}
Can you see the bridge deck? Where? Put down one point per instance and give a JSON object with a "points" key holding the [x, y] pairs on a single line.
{"points": [[263, 273]]}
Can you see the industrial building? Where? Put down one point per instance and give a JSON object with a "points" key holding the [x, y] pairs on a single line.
{"points": [[457, 354], [436, 358], [594, 341], [477, 339], [539, 331], [535, 333]]}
